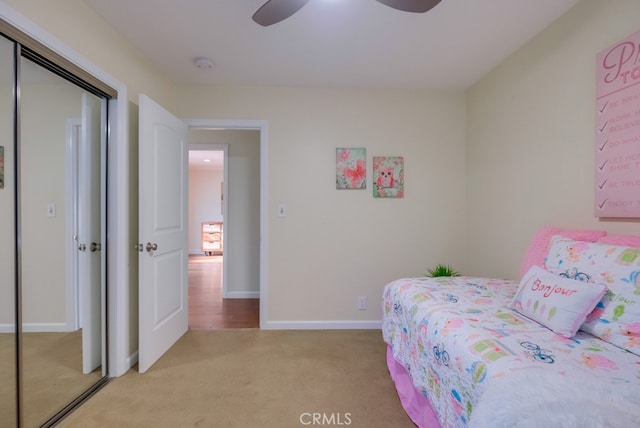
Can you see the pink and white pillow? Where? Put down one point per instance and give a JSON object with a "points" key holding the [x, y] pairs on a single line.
{"points": [[625, 240], [616, 318], [558, 303], [539, 244]]}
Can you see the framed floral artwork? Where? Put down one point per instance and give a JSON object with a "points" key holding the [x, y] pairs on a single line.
{"points": [[351, 168], [388, 177]]}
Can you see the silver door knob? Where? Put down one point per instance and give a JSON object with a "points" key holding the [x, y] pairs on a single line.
{"points": [[151, 247], [95, 247]]}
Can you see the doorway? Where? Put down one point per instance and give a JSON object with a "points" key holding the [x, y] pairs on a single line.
{"points": [[162, 224], [224, 228]]}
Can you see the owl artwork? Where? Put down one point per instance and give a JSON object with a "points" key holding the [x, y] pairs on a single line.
{"points": [[385, 178], [388, 177]]}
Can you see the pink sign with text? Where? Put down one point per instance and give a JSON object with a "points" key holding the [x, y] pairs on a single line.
{"points": [[617, 166]]}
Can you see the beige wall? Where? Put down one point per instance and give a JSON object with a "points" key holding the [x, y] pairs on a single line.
{"points": [[242, 240], [45, 108], [83, 30], [242, 222], [76, 26], [484, 169], [530, 138], [7, 196], [337, 245]]}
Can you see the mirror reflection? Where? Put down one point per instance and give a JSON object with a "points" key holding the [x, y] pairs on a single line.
{"points": [[61, 224], [8, 390]]}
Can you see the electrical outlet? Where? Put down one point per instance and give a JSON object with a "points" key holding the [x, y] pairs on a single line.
{"points": [[362, 303]]}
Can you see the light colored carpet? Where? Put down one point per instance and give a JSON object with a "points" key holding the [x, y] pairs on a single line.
{"points": [[255, 378], [52, 375], [7, 379]]}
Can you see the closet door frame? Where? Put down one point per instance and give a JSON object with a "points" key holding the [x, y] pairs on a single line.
{"points": [[26, 60], [119, 359]]}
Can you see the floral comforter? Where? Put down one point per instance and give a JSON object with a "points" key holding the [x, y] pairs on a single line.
{"points": [[456, 338]]}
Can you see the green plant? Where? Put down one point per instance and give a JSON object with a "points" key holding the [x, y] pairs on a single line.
{"points": [[442, 270]]}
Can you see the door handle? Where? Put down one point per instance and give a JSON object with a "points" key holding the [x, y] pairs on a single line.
{"points": [[95, 247], [151, 247]]}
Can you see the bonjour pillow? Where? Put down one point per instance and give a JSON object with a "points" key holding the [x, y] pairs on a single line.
{"points": [[616, 319], [558, 303], [539, 244]]}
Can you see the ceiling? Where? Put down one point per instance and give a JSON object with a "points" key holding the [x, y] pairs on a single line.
{"points": [[206, 159], [330, 43]]}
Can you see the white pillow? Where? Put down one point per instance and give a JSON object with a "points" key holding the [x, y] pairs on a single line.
{"points": [[558, 303]]}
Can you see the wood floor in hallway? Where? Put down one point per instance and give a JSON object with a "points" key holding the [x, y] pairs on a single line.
{"points": [[208, 310]]}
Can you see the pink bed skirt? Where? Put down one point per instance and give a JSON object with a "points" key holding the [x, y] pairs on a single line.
{"points": [[415, 404]]}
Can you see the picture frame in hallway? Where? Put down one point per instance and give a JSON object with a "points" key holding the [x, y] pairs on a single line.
{"points": [[388, 177], [351, 168]]}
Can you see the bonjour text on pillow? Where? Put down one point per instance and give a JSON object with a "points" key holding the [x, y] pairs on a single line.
{"points": [[558, 303]]}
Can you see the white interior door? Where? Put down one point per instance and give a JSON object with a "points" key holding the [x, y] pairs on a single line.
{"points": [[163, 286], [90, 231]]}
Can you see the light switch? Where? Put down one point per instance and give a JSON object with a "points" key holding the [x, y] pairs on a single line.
{"points": [[282, 210], [51, 210]]}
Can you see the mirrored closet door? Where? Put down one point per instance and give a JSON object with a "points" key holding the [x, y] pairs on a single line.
{"points": [[54, 197], [8, 350]]}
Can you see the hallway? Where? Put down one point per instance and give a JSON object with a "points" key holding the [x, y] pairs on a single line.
{"points": [[207, 308]]}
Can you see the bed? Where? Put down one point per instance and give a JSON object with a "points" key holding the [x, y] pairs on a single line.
{"points": [[473, 352]]}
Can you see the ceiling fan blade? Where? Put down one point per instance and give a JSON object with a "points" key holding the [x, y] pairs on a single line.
{"points": [[275, 11], [417, 6]]}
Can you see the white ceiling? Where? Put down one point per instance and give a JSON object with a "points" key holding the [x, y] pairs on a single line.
{"points": [[330, 43], [206, 159]]}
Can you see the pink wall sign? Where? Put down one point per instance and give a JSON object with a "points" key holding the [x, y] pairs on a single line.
{"points": [[617, 166]]}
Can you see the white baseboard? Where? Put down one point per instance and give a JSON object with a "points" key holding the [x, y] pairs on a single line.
{"points": [[46, 328], [242, 295], [322, 325], [7, 328]]}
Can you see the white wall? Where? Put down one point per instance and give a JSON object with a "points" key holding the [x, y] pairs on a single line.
{"points": [[204, 203], [530, 138]]}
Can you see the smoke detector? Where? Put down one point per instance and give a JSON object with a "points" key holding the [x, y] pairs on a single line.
{"points": [[203, 63]]}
